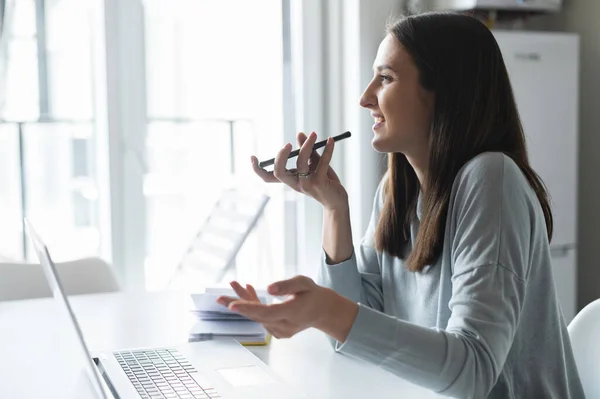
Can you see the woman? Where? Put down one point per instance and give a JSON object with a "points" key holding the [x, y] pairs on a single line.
{"points": [[452, 287]]}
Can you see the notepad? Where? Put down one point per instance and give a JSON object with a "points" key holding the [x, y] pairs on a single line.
{"points": [[215, 321]]}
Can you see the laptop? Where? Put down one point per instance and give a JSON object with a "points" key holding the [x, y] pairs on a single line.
{"points": [[196, 370]]}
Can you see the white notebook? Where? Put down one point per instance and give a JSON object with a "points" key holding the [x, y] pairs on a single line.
{"points": [[215, 321]]}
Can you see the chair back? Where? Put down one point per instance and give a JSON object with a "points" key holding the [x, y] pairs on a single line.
{"points": [[81, 276], [584, 332]]}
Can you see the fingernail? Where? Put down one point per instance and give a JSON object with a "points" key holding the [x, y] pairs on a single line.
{"points": [[273, 289]]}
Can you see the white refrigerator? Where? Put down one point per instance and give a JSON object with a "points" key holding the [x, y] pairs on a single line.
{"points": [[544, 72]]}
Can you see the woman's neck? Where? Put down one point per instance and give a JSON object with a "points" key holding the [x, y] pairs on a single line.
{"points": [[420, 166]]}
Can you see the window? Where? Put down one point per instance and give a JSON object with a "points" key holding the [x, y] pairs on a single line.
{"points": [[170, 101], [214, 97], [47, 130]]}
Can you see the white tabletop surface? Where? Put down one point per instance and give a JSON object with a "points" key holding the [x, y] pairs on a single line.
{"points": [[37, 348]]}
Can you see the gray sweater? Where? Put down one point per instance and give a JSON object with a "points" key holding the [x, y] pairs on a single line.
{"points": [[484, 321]]}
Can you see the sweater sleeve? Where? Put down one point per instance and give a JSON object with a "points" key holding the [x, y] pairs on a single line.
{"points": [[358, 278], [491, 219]]}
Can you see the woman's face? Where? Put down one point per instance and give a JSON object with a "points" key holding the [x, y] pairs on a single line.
{"points": [[401, 108]]}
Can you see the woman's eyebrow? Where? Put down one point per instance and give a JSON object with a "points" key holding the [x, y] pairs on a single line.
{"points": [[380, 68]]}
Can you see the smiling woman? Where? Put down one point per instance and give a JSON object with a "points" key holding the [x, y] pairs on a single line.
{"points": [[452, 286], [400, 106]]}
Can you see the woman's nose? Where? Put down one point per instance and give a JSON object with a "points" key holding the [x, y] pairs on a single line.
{"points": [[368, 98]]}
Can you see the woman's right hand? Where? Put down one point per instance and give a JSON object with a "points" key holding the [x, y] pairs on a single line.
{"points": [[322, 183]]}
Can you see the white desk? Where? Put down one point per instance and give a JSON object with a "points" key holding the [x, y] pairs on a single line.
{"points": [[33, 342]]}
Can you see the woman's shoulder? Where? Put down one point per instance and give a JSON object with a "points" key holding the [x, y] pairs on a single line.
{"points": [[491, 168], [492, 179]]}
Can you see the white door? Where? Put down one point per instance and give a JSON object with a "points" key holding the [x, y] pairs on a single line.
{"points": [[543, 69]]}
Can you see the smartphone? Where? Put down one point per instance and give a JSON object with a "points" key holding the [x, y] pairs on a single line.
{"points": [[317, 145]]}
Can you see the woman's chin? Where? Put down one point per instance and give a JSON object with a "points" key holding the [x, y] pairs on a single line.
{"points": [[379, 144]]}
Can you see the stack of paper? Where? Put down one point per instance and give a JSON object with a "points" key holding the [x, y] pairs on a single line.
{"points": [[215, 321]]}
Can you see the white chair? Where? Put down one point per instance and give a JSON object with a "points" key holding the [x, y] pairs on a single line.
{"points": [[584, 332], [81, 276]]}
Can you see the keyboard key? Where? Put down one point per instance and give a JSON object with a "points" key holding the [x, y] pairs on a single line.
{"points": [[164, 373]]}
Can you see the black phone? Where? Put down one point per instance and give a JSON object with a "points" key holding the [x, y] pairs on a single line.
{"points": [[317, 145]]}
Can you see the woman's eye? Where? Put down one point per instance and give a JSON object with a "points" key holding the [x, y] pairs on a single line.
{"points": [[385, 78]]}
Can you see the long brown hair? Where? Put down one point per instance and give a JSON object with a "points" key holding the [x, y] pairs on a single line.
{"points": [[475, 111]]}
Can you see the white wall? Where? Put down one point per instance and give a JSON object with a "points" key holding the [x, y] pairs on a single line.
{"points": [[582, 17]]}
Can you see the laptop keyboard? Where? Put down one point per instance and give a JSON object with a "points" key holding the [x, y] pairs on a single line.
{"points": [[164, 374]]}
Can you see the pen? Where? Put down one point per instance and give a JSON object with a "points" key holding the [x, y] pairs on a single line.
{"points": [[317, 145]]}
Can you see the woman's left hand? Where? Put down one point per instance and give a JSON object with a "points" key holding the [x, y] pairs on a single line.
{"points": [[308, 305]]}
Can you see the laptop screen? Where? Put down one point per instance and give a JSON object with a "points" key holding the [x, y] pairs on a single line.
{"points": [[86, 383]]}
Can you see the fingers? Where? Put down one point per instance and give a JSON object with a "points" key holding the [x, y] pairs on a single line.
{"points": [[280, 171], [314, 160], [301, 138], [305, 152], [242, 293], [308, 160], [323, 166], [264, 313], [252, 291], [226, 300], [294, 285], [263, 174]]}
